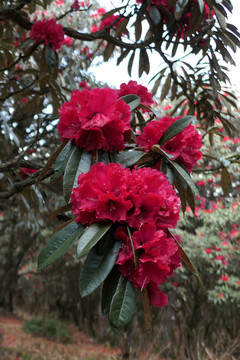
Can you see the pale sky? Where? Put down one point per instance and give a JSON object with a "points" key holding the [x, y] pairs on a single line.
{"points": [[115, 75]]}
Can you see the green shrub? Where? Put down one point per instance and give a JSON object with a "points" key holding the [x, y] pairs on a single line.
{"points": [[49, 328]]}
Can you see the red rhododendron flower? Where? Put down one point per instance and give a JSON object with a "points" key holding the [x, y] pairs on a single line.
{"points": [[49, 32], [75, 5], [108, 21], [25, 172], [134, 88], [224, 278], [110, 192], [102, 194], [154, 199], [184, 147], [157, 256], [95, 119], [67, 41]]}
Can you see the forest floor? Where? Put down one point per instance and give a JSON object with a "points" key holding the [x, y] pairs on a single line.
{"points": [[16, 344]]}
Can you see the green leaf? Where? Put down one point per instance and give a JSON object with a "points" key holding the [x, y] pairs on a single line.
{"points": [[144, 65], [78, 162], [111, 12], [127, 158], [50, 56], [138, 28], [59, 243], [226, 182], [62, 160], [108, 51], [96, 268], [174, 129], [109, 289], [132, 100], [179, 8], [90, 237], [51, 160], [201, 5], [185, 177], [130, 63], [167, 170], [190, 265], [154, 15], [123, 304]]}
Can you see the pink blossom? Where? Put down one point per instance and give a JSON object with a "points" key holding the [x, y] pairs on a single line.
{"points": [[184, 147], [208, 251], [49, 32], [134, 88], [224, 278], [154, 199], [67, 41], [157, 257], [75, 5], [102, 194], [94, 29], [95, 119]]}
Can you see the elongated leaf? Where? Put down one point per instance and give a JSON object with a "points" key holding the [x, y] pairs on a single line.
{"points": [[62, 156], [174, 129], [121, 29], [166, 87], [130, 63], [186, 260], [154, 14], [123, 304], [201, 5], [109, 289], [111, 12], [108, 51], [96, 268], [138, 28], [128, 158], [90, 237], [185, 177], [51, 161], [144, 65], [50, 56], [79, 162], [226, 182], [132, 100], [62, 160], [167, 170], [61, 210], [59, 243], [122, 56]]}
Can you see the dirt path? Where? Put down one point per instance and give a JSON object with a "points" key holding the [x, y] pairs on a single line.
{"points": [[15, 344]]}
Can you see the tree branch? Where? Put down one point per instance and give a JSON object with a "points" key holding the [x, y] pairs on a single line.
{"points": [[19, 186]]}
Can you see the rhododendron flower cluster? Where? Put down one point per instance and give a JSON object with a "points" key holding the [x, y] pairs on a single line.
{"points": [[144, 200], [184, 147], [134, 88], [95, 119], [49, 32], [157, 255]]}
